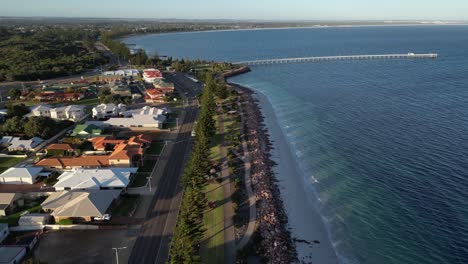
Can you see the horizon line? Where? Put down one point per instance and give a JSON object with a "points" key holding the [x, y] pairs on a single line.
{"points": [[241, 19]]}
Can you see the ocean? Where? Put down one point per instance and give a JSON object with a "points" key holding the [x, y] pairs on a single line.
{"points": [[381, 144]]}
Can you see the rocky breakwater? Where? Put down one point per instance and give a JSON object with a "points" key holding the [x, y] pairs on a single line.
{"points": [[276, 242]]}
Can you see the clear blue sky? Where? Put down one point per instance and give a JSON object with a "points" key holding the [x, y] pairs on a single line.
{"points": [[243, 9]]}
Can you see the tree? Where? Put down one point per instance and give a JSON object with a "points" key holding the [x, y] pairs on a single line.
{"points": [[40, 126], [13, 125], [14, 93], [17, 110]]}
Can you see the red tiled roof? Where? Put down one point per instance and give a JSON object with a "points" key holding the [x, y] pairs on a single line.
{"points": [[83, 161], [150, 73], [59, 147]]}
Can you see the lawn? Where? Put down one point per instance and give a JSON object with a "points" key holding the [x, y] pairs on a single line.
{"points": [[7, 162], [155, 148], [126, 205], [88, 101], [140, 179], [148, 166], [12, 219], [212, 248]]}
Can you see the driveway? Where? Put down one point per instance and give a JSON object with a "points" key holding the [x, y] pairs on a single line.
{"points": [[85, 246]]}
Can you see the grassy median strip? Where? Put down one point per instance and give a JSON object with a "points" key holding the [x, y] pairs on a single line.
{"points": [[212, 249]]}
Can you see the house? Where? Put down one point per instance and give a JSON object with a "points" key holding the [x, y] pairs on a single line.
{"points": [[154, 95], [120, 89], [126, 155], [16, 143], [59, 150], [4, 231], [79, 206], [86, 131], [163, 85], [8, 202], [18, 175], [73, 96], [40, 110], [110, 78], [33, 219], [148, 117], [70, 112], [144, 121], [66, 163], [12, 254], [122, 73], [149, 75], [108, 110], [143, 140], [95, 179], [147, 110], [105, 143]]}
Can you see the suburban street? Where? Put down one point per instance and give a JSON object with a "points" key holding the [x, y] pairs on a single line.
{"points": [[152, 244]]}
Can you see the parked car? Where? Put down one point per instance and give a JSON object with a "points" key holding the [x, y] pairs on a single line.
{"points": [[105, 217]]}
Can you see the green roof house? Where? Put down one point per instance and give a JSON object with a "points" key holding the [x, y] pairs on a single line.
{"points": [[86, 131]]}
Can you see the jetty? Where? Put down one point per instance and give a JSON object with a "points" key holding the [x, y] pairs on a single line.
{"points": [[346, 57]]}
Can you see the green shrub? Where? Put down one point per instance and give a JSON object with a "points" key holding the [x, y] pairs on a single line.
{"points": [[65, 222]]}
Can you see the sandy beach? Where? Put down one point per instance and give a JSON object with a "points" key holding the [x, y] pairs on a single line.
{"points": [[307, 232], [304, 221]]}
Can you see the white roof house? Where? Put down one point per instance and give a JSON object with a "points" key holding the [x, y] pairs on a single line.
{"points": [[147, 110], [82, 204], [16, 143], [108, 110], [148, 117], [33, 219], [70, 112], [16, 175], [87, 179], [134, 121], [126, 72]]}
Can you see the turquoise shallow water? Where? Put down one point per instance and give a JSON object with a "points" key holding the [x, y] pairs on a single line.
{"points": [[384, 143]]}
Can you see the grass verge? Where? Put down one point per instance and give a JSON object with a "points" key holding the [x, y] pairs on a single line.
{"points": [[212, 248], [155, 148]]}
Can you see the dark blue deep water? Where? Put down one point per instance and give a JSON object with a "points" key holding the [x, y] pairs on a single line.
{"points": [[384, 143]]}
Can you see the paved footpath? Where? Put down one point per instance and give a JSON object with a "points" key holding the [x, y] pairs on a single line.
{"points": [[248, 186]]}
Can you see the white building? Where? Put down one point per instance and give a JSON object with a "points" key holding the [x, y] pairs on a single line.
{"points": [[126, 72], [95, 179], [16, 175], [70, 112], [150, 75], [147, 117], [16, 143], [147, 110], [108, 110], [33, 219]]}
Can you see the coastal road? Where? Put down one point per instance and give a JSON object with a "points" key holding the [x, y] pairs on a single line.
{"points": [[152, 244]]}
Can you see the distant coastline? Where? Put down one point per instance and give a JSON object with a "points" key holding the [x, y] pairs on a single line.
{"points": [[318, 26]]}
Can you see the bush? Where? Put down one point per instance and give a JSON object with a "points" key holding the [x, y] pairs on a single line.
{"points": [[65, 222]]}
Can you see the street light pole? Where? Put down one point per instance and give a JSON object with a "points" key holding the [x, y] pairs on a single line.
{"points": [[177, 123], [149, 182], [117, 253]]}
